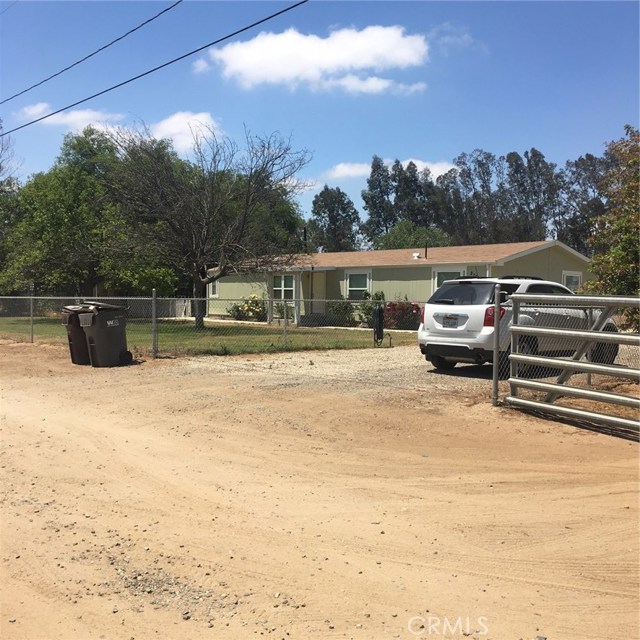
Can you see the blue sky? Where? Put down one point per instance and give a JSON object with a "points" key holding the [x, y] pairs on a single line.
{"points": [[416, 80]]}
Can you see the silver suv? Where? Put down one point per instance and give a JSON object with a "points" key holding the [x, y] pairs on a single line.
{"points": [[457, 322]]}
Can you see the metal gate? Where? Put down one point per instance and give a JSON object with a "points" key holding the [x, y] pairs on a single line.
{"points": [[573, 357]]}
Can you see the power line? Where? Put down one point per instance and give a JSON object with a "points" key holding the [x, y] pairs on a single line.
{"points": [[162, 66], [7, 8], [106, 46]]}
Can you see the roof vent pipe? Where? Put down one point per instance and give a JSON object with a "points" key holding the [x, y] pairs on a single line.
{"points": [[426, 248]]}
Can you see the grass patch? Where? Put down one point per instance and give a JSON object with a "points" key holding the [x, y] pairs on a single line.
{"points": [[216, 338]]}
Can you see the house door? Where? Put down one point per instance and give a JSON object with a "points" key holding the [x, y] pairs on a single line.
{"points": [[318, 293]]}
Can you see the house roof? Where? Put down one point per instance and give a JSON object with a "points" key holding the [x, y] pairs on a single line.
{"points": [[495, 254]]}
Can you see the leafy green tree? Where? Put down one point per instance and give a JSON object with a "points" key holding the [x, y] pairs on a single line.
{"points": [[54, 242], [461, 203], [9, 189], [407, 192], [534, 194], [68, 234], [582, 202], [407, 235], [377, 199], [488, 199], [334, 221], [480, 179], [615, 242]]}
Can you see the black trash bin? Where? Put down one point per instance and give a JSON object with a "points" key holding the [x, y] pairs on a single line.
{"points": [[105, 329], [75, 333]]}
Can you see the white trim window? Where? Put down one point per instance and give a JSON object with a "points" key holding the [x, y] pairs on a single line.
{"points": [[357, 283], [572, 279], [283, 286], [213, 289], [449, 273]]}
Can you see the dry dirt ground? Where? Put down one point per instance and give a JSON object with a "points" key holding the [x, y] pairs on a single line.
{"points": [[318, 495]]}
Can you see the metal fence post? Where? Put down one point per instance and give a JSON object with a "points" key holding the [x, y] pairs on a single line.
{"points": [[589, 353], [286, 324], [496, 346], [31, 288], [154, 325], [513, 372]]}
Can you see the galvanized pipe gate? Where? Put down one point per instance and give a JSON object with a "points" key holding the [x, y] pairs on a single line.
{"points": [[582, 343]]}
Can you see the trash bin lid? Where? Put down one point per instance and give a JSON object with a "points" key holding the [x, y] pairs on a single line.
{"points": [[75, 308], [98, 306]]}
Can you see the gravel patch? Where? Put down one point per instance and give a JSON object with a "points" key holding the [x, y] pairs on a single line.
{"points": [[401, 368]]}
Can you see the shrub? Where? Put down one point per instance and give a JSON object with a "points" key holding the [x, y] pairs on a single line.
{"points": [[280, 308], [402, 314], [341, 312], [251, 308]]}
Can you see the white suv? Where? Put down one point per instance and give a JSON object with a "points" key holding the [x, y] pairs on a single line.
{"points": [[457, 322]]}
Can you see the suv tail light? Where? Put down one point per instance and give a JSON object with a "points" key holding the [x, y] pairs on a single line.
{"points": [[489, 316], [422, 315]]}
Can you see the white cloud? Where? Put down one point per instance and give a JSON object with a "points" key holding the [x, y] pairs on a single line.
{"points": [[347, 58], [354, 84], [348, 170], [200, 66], [448, 38], [181, 127], [74, 120], [437, 169], [32, 111], [373, 85]]}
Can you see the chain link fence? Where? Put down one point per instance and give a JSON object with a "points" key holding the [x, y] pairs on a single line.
{"points": [[161, 327]]}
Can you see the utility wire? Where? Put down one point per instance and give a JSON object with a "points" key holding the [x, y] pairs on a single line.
{"points": [[106, 46], [7, 8], [162, 66]]}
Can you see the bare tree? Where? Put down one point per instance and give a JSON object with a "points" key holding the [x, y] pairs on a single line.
{"points": [[226, 211], [7, 159]]}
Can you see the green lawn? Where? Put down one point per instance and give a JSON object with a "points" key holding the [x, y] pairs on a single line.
{"points": [[217, 338]]}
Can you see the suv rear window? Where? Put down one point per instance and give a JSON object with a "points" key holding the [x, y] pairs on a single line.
{"points": [[459, 293]]}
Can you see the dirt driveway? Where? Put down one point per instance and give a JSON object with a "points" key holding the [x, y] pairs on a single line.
{"points": [[319, 495]]}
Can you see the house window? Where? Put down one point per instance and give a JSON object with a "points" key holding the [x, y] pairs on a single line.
{"points": [[213, 289], [357, 285], [283, 287], [441, 276], [572, 279]]}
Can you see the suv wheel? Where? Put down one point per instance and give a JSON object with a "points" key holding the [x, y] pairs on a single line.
{"points": [[440, 363]]}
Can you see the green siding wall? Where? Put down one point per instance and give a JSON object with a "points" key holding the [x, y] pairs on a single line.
{"points": [[237, 287], [413, 282], [548, 264], [395, 282]]}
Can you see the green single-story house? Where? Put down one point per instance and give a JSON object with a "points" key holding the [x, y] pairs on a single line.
{"points": [[312, 280]]}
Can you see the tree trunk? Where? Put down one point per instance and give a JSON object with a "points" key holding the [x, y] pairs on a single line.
{"points": [[199, 304]]}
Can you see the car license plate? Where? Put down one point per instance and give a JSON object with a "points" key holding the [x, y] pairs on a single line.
{"points": [[450, 322]]}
